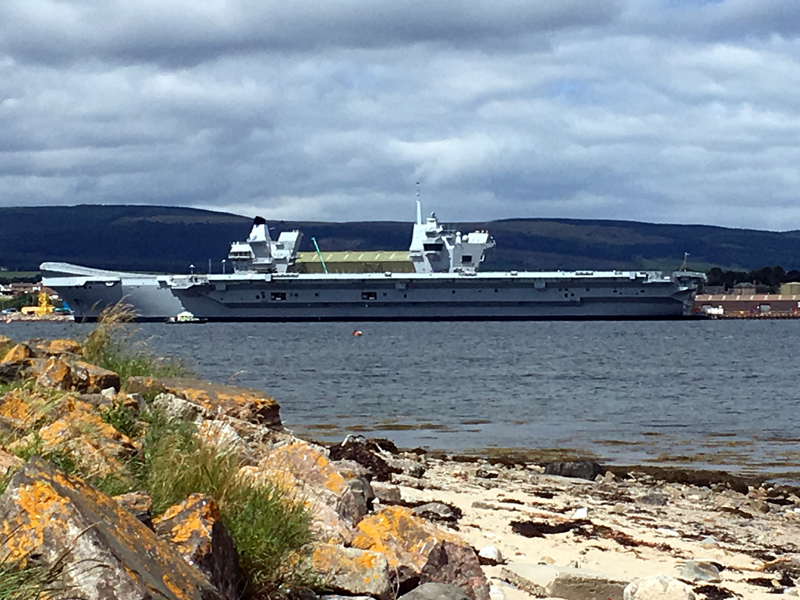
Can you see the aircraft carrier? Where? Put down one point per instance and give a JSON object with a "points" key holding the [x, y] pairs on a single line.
{"points": [[444, 283]]}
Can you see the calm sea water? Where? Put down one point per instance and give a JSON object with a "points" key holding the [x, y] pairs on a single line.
{"points": [[718, 394]]}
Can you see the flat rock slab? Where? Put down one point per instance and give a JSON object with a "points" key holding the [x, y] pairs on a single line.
{"points": [[46, 348], [585, 586], [108, 552]]}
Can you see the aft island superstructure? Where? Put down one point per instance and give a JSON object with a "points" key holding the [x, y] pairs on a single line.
{"points": [[445, 284]]}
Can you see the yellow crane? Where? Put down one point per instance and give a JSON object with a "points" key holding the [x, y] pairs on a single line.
{"points": [[44, 307]]}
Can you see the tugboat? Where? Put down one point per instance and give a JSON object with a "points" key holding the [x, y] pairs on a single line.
{"points": [[186, 317]]}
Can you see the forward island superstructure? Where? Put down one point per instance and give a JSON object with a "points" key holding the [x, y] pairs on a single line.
{"points": [[444, 284]]}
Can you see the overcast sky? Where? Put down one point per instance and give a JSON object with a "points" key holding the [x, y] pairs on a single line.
{"points": [[670, 111]]}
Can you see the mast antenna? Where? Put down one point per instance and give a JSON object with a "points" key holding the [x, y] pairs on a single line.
{"points": [[419, 207], [685, 260]]}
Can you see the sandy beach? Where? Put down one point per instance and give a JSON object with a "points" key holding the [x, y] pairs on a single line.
{"points": [[616, 528]]}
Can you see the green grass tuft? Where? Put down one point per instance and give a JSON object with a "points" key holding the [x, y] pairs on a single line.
{"points": [[272, 530], [26, 579], [61, 459], [122, 418], [272, 533], [115, 484]]}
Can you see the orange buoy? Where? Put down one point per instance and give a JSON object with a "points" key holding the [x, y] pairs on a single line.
{"points": [[357, 333]]}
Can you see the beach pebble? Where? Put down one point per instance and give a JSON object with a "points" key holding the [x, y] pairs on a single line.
{"points": [[490, 553], [583, 469], [659, 587], [709, 542], [581, 513], [496, 593], [654, 499], [436, 591], [698, 570], [436, 511], [483, 472]]}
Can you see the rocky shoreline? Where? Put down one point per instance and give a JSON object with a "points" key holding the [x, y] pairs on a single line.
{"points": [[387, 523]]}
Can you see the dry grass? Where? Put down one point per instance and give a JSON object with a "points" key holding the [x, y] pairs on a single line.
{"points": [[115, 344]]}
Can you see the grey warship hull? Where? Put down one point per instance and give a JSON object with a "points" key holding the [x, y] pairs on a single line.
{"points": [[390, 296], [268, 285]]}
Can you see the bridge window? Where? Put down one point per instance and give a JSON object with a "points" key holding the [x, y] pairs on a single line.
{"points": [[467, 258]]}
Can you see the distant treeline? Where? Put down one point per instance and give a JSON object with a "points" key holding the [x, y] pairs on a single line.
{"points": [[181, 240], [768, 277]]}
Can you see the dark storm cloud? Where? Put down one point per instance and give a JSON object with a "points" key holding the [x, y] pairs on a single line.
{"points": [[187, 33]]}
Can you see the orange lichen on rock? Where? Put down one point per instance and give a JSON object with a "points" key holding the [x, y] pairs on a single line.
{"points": [[196, 531], [23, 408], [419, 550], [305, 463], [39, 502], [188, 524], [305, 472], [94, 444], [15, 408], [108, 553], [18, 353], [56, 374], [401, 536], [353, 571], [90, 378], [57, 347], [239, 403]]}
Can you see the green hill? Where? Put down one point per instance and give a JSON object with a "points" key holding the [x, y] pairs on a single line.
{"points": [[168, 239]]}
